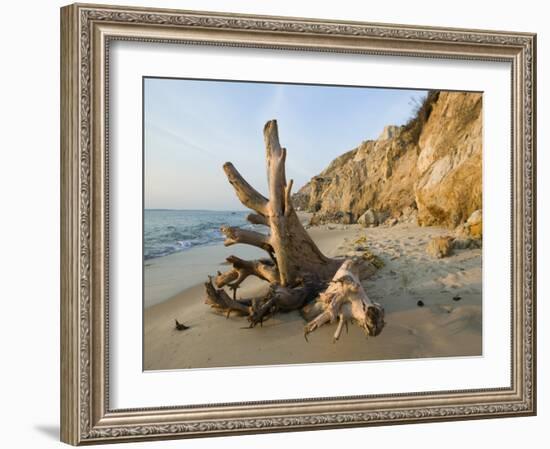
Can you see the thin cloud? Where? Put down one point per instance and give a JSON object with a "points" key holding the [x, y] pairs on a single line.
{"points": [[184, 141]]}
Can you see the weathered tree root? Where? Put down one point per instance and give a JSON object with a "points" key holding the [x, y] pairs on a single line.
{"points": [[220, 300], [257, 310], [296, 270], [264, 269], [281, 299], [345, 300]]}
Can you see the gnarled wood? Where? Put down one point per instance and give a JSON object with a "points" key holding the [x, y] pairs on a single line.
{"points": [[220, 300], [237, 235], [264, 269], [280, 299], [294, 249], [297, 270], [345, 300], [249, 196]]}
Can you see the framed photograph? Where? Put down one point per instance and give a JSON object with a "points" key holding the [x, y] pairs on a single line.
{"points": [[278, 224]]}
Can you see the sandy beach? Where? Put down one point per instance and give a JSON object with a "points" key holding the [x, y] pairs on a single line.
{"points": [[448, 324]]}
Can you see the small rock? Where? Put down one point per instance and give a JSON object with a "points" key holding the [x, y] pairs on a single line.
{"points": [[369, 218], [472, 228], [440, 247], [420, 303], [475, 218], [409, 215], [181, 326]]}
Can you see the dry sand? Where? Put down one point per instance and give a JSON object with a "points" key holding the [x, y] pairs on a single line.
{"points": [[443, 327]]}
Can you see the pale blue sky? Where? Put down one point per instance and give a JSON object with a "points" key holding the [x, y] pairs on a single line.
{"points": [[192, 127]]}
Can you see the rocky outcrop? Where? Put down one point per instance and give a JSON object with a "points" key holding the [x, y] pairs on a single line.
{"points": [[448, 189], [428, 170]]}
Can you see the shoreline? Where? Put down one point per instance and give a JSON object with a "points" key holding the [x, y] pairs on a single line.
{"points": [[167, 276], [443, 327]]}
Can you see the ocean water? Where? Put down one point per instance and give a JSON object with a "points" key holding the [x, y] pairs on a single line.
{"points": [[167, 231]]}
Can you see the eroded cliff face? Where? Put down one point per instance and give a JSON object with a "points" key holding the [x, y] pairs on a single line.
{"points": [[427, 171], [449, 165]]}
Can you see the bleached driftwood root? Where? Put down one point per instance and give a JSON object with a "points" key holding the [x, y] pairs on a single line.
{"points": [[296, 270], [345, 300]]}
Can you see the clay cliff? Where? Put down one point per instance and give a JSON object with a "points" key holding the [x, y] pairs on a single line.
{"points": [[428, 171]]}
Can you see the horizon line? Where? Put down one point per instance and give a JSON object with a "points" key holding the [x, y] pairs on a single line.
{"points": [[196, 210]]}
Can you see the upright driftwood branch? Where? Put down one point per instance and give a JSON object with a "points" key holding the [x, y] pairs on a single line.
{"points": [[294, 249], [299, 274]]}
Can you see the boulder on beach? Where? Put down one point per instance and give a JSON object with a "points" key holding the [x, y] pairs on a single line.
{"points": [[440, 247], [368, 218], [372, 218], [472, 228]]}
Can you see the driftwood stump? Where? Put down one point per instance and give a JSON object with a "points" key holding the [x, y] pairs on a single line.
{"points": [[300, 276], [345, 300]]}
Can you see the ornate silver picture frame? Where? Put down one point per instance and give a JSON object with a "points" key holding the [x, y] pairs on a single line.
{"points": [[87, 33]]}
